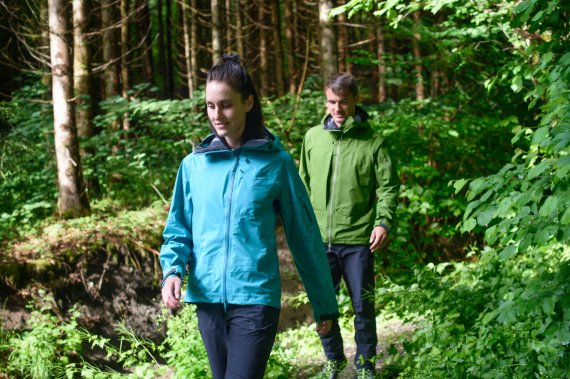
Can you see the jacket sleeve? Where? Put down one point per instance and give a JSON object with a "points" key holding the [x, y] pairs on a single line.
{"points": [[387, 188], [303, 164], [177, 234], [305, 242]]}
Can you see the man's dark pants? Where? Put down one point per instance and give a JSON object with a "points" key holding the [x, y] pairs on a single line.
{"points": [[238, 339], [354, 263]]}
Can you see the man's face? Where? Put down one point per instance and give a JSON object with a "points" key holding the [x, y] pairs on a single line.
{"points": [[340, 107]]}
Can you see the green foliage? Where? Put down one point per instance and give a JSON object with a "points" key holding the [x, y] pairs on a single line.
{"points": [[490, 319], [526, 203], [46, 347], [290, 119], [433, 143], [139, 164], [27, 164], [183, 347]]}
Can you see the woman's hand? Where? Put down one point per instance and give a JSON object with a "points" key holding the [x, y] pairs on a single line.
{"points": [[323, 327], [171, 292]]}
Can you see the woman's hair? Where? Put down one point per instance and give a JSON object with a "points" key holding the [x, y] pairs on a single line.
{"points": [[231, 70], [342, 85]]}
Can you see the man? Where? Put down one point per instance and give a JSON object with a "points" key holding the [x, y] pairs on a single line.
{"points": [[353, 188]]}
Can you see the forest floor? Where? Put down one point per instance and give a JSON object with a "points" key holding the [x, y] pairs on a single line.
{"points": [[110, 269]]}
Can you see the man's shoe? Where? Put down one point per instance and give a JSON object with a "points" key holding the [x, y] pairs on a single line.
{"points": [[332, 369], [365, 373]]}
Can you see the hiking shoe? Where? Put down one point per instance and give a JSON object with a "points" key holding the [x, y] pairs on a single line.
{"points": [[332, 369], [364, 373]]}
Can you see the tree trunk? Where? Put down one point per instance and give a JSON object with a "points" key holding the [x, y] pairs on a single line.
{"points": [[239, 30], [187, 59], [124, 60], [72, 200], [144, 32], [276, 26], [216, 31], [263, 64], [109, 50], [328, 57], [229, 26], [194, 42], [82, 71], [169, 57], [342, 42], [290, 37], [380, 53], [419, 85], [373, 50], [395, 73]]}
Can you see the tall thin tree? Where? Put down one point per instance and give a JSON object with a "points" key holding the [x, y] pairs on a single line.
{"points": [[291, 45], [109, 49], [217, 44], [124, 58], [72, 199], [380, 54], [277, 46], [82, 71], [418, 67], [329, 60], [263, 61], [187, 59]]}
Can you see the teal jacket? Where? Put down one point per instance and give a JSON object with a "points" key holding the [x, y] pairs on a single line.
{"points": [[221, 227], [350, 178]]}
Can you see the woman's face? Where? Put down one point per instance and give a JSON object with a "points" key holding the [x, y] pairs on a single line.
{"points": [[226, 111]]}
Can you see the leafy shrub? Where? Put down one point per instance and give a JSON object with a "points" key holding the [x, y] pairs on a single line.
{"points": [[489, 319], [47, 347]]}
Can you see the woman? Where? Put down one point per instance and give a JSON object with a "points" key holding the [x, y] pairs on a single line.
{"points": [[221, 227]]}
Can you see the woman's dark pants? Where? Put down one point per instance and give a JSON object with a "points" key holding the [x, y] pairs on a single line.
{"points": [[354, 263], [239, 339]]}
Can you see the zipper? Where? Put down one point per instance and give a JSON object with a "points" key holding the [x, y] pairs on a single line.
{"points": [[228, 224], [331, 208]]}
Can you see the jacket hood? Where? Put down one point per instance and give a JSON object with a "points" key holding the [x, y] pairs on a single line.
{"points": [[358, 121], [213, 143]]}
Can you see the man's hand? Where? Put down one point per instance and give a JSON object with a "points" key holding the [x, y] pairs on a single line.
{"points": [[171, 292], [323, 327], [378, 238]]}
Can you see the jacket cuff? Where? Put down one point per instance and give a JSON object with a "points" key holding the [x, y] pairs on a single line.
{"points": [[168, 274], [329, 317], [388, 229]]}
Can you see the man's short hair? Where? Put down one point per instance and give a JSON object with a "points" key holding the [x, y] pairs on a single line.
{"points": [[342, 85]]}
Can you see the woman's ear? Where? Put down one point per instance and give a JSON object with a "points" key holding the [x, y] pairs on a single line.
{"points": [[249, 103]]}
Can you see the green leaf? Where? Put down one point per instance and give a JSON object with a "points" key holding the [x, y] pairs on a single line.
{"points": [[508, 252], [565, 219], [546, 58], [565, 60], [538, 169], [548, 305], [459, 184], [469, 225], [489, 317], [539, 135], [549, 207], [486, 216]]}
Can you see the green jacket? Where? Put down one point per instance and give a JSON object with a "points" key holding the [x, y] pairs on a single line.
{"points": [[350, 179]]}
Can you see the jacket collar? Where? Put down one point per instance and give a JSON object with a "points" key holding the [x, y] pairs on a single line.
{"points": [[213, 143], [358, 121]]}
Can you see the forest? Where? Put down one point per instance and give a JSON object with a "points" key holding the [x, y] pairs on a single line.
{"points": [[100, 101]]}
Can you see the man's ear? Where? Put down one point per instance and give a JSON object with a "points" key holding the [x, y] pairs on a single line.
{"points": [[249, 103]]}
